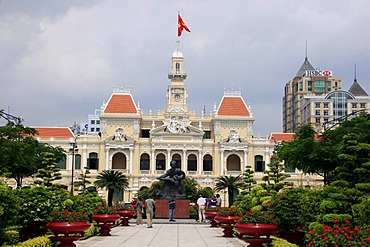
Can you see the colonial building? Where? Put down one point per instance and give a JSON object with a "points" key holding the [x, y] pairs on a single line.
{"points": [[315, 97], [141, 146]]}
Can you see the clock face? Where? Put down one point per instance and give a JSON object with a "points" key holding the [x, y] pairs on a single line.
{"points": [[177, 97]]}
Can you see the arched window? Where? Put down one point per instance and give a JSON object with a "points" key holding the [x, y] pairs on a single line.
{"points": [[259, 164], [177, 68], [207, 163], [93, 161], [62, 162], [144, 162], [233, 163], [177, 158], [160, 162], [119, 161], [192, 162], [78, 161]]}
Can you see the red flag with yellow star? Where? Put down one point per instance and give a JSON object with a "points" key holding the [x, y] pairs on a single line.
{"points": [[181, 26]]}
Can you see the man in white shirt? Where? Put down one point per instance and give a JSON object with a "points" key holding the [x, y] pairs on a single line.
{"points": [[218, 200], [202, 208]]}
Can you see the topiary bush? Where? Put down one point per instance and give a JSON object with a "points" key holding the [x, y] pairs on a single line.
{"points": [[9, 208]]}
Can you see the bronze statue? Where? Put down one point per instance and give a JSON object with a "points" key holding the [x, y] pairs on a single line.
{"points": [[173, 182]]}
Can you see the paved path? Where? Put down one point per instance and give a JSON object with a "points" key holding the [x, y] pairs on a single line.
{"points": [[182, 233]]}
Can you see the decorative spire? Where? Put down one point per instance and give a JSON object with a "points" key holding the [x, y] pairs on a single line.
{"points": [[355, 80]]}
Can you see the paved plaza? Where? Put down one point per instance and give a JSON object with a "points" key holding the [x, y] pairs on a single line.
{"points": [[182, 233]]}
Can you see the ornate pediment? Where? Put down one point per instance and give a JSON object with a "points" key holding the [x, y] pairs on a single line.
{"points": [[233, 138], [177, 130], [119, 137]]}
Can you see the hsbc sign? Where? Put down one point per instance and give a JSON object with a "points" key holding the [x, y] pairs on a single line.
{"points": [[317, 73]]}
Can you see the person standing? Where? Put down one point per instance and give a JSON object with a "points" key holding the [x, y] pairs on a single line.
{"points": [[139, 211], [202, 208], [218, 200], [172, 206], [150, 204]]}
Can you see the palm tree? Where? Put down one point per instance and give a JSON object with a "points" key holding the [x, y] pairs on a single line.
{"points": [[230, 183], [112, 180]]}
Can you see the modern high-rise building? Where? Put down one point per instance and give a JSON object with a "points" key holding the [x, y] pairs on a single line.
{"points": [[316, 97]]}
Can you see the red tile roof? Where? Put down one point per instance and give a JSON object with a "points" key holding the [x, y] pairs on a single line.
{"points": [[277, 137], [53, 132], [120, 103], [233, 106]]}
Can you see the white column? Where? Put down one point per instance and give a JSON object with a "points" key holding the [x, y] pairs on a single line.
{"points": [[168, 157], [106, 158], [70, 160], [131, 151], [267, 158], [152, 163], [84, 156], [200, 161], [184, 159], [245, 159], [222, 163]]}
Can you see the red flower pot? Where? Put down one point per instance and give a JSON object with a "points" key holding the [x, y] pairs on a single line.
{"points": [[126, 215], [256, 230], [226, 222], [67, 228], [105, 222], [211, 216]]}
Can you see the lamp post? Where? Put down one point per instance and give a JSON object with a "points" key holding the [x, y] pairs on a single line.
{"points": [[72, 149]]}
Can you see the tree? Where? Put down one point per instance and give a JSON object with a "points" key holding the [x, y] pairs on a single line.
{"points": [[111, 180], [20, 153], [308, 154], [83, 181], [191, 186], [230, 183], [276, 173], [50, 171], [248, 177]]}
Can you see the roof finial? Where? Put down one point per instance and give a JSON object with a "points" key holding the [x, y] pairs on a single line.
{"points": [[178, 45], [306, 51], [355, 74]]}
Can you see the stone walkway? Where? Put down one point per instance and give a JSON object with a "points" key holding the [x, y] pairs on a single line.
{"points": [[182, 233]]}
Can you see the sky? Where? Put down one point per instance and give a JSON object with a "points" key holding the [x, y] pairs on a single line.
{"points": [[61, 59]]}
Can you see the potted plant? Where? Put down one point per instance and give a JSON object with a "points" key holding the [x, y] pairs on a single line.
{"points": [[226, 218], [254, 224], [106, 218], [126, 212], [210, 214], [64, 222], [286, 206]]}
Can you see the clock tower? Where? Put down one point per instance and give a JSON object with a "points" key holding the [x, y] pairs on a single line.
{"points": [[177, 97]]}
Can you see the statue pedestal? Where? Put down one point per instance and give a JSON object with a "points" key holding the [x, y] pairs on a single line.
{"points": [[182, 209]]}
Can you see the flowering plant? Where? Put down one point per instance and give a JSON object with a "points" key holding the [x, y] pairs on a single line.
{"points": [[213, 209], [67, 216], [105, 210], [286, 206], [224, 211], [262, 217], [120, 207], [340, 234]]}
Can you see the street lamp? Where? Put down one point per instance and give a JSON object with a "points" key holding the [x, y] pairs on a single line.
{"points": [[73, 148]]}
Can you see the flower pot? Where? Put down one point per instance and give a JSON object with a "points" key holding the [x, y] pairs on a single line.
{"points": [[211, 216], [293, 237], [255, 230], [126, 215], [226, 222], [105, 222], [67, 228]]}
